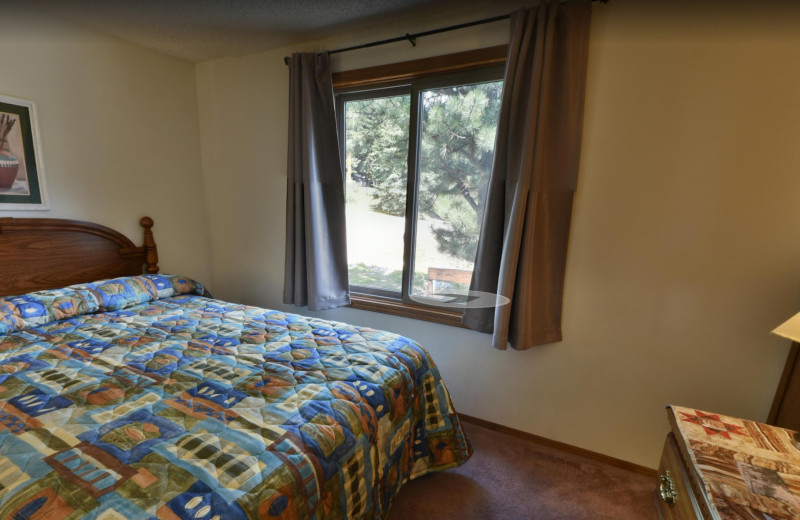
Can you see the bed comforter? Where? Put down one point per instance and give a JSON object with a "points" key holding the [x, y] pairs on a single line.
{"points": [[141, 397]]}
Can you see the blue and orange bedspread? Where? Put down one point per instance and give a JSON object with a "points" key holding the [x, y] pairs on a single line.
{"points": [[141, 398]]}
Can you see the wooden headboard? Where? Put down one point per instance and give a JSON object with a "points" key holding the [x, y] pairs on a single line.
{"points": [[45, 253]]}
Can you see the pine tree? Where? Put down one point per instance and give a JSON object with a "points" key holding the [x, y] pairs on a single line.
{"points": [[456, 149]]}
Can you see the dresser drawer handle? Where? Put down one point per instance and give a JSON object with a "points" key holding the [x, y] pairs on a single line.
{"points": [[667, 489]]}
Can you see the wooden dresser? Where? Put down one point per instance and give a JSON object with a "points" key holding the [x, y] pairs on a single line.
{"points": [[724, 468]]}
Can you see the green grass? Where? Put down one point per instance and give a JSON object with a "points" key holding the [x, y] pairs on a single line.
{"points": [[357, 194], [376, 277]]}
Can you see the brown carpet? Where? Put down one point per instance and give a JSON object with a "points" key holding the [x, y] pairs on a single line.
{"points": [[513, 478]]}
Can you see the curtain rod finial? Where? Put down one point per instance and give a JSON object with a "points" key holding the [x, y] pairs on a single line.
{"points": [[286, 60]]}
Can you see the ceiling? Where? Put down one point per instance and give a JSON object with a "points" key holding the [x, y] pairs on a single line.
{"points": [[199, 30]]}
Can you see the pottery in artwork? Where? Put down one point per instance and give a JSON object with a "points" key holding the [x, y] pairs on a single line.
{"points": [[9, 166]]}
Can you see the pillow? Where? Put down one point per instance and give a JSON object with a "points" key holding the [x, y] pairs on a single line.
{"points": [[37, 308]]}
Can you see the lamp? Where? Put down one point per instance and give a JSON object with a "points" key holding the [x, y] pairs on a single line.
{"points": [[790, 328], [785, 410]]}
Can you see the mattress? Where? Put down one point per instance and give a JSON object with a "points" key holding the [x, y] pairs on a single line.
{"points": [[143, 397]]}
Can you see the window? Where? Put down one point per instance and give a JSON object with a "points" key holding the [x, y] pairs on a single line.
{"points": [[417, 157]]}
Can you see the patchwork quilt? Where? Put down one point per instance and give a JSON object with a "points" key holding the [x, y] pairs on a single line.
{"points": [[750, 470], [143, 398]]}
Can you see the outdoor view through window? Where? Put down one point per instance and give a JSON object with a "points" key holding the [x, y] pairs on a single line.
{"points": [[453, 157]]}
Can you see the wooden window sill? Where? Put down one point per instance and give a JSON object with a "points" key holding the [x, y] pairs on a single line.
{"points": [[394, 307]]}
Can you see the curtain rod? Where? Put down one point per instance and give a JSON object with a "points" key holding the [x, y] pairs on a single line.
{"points": [[412, 38]]}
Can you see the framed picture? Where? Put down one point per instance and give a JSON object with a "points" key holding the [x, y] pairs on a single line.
{"points": [[21, 168]]}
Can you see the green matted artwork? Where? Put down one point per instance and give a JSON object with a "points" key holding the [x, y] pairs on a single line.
{"points": [[21, 168]]}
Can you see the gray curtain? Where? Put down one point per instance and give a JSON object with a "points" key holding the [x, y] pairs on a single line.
{"points": [[523, 242], [316, 246]]}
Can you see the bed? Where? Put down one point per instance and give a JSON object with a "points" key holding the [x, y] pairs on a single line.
{"points": [[141, 396]]}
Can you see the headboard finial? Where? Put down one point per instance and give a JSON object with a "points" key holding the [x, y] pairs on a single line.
{"points": [[150, 249]]}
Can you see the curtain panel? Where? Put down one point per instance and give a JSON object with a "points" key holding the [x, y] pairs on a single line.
{"points": [[525, 228], [316, 245]]}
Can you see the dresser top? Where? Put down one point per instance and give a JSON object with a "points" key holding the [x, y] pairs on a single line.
{"points": [[748, 470]]}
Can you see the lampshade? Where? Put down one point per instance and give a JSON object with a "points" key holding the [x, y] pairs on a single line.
{"points": [[790, 328]]}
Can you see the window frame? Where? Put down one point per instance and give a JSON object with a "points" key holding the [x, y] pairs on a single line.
{"points": [[360, 94], [412, 77]]}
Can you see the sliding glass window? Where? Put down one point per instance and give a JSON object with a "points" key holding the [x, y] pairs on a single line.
{"points": [[417, 158]]}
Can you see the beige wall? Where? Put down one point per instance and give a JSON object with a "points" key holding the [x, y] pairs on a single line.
{"points": [[686, 238], [119, 133], [685, 245]]}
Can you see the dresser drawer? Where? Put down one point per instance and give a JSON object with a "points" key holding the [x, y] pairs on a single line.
{"points": [[674, 497]]}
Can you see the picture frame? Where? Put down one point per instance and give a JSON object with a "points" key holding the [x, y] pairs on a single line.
{"points": [[22, 182]]}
